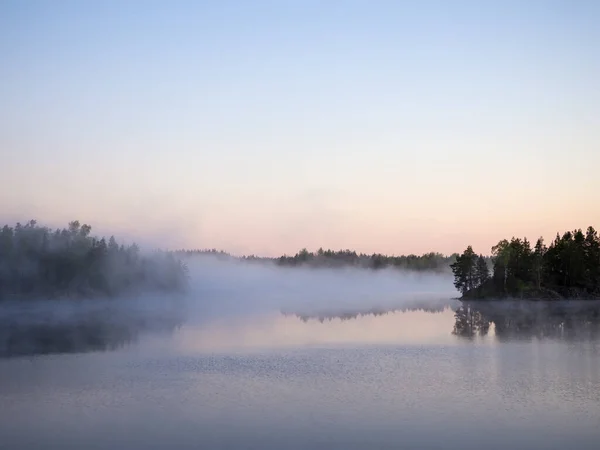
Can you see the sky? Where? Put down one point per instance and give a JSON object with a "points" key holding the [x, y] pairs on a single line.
{"points": [[262, 127]]}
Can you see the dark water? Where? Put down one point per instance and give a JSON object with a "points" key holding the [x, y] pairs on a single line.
{"points": [[413, 379]]}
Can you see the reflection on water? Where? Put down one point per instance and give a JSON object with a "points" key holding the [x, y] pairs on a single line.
{"points": [[573, 320], [432, 307], [29, 330], [290, 330], [17, 339], [400, 379], [470, 322], [445, 323]]}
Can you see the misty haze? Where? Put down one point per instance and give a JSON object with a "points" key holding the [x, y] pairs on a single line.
{"points": [[320, 350], [299, 225]]}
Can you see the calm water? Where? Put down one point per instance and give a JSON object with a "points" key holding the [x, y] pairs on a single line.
{"points": [[395, 380]]}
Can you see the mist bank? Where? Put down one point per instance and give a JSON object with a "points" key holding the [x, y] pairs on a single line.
{"points": [[51, 282], [569, 268], [219, 291], [234, 287], [37, 262]]}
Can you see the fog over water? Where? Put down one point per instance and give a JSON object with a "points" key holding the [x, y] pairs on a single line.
{"points": [[261, 357], [233, 288]]}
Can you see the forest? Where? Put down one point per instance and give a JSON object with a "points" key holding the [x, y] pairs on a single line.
{"points": [[567, 268], [330, 258], [38, 262], [341, 258]]}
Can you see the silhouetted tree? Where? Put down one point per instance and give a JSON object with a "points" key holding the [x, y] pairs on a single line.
{"points": [[538, 261], [482, 271], [465, 271], [592, 260]]}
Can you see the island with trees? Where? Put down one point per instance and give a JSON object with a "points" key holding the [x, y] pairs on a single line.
{"points": [[568, 268]]}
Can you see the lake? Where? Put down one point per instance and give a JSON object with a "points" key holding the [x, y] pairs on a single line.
{"points": [[444, 378]]}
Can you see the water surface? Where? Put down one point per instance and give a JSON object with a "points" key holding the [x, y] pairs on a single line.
{"points": [[403, 379]]}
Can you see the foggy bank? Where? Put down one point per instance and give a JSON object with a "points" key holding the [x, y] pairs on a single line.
{"points": [[237, 287]]}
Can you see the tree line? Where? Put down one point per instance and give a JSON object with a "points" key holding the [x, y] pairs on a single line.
{"points": [[568, 267], [340, 258], [38, 262], [330, 258]]}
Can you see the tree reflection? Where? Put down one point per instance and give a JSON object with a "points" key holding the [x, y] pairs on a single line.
{"points": [[344, 315], [470, 322], [527, 320], [91, 332]]}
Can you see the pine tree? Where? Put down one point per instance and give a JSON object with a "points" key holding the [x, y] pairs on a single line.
{"points": [[464, 270], [482, 271], [501, 252], [592, 260], [538, 261]]}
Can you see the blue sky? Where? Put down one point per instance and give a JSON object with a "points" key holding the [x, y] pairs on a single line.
{"points": [[264, 127]]}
